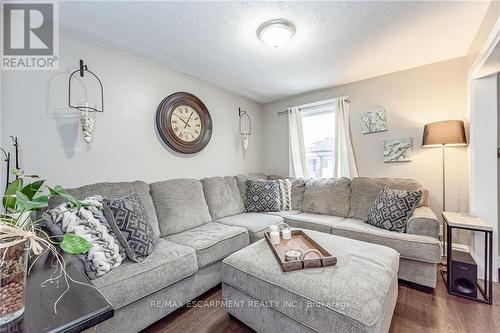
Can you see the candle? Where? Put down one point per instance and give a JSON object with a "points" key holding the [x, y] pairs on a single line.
{"points": [[287, 233], [275, 237]]}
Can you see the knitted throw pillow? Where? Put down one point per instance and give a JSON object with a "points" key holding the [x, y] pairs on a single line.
{"points": [[91, 223], [286, 194]]}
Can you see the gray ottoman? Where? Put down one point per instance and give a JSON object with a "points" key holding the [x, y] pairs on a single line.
{"points": [[357, 295]]}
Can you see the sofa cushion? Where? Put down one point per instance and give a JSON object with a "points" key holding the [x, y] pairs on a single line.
{"points": [[415, 247], [117, 190], [318, 222], [327, 196], [212, 241], [255, 223], [242, 185], [356, 295], [365, 190], [284, 213], [423, 222], [180, 205], [131, 281], [298, 189], [223, 196]]}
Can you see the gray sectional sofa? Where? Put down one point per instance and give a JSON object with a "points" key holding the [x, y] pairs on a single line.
{"points": [[201, 222]]}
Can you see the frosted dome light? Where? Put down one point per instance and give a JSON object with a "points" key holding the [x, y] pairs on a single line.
{"points": [[276, 33]]}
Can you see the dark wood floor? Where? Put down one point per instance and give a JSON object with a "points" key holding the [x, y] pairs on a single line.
{"points": [[416, 311]]}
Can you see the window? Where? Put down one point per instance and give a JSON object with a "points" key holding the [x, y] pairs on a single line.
{"points": [[319, 140]]}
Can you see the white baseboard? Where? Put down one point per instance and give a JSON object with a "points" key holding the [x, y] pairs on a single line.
{"points": [[458, 247]]}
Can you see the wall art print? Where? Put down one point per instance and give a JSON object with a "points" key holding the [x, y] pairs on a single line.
{"points": [[398, 150], [374, 121]]}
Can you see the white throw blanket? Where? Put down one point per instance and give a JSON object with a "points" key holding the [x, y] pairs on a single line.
{"points": [[90, 223]]}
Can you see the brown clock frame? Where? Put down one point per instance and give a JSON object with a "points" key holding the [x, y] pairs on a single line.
{"points": [[164, 126]]}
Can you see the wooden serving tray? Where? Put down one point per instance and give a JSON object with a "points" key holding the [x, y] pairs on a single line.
{"points": [[302, 242]]}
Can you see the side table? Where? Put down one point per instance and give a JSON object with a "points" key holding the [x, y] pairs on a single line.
{"points": [[474, 224], [81, 308]]}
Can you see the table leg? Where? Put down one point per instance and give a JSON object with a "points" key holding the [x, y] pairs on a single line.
{"points": [[444, 254], [490, 280], [448, 256]]}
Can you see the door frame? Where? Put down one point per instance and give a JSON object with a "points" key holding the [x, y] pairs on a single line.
{"points": [[476, 84]]}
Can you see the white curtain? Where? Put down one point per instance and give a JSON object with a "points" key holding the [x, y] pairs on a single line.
{"points": [[345, 163], [298, 163]]}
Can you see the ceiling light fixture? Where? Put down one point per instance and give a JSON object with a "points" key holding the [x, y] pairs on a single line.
{"points": [[276, 33]]}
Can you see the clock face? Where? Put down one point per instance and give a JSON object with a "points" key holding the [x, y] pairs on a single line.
{"points": [[186, 123]]}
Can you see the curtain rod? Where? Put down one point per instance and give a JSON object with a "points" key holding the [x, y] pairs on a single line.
{"points": [[347, 99]]}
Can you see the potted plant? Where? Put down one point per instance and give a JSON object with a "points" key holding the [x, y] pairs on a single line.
{"points": [[21, 235]]}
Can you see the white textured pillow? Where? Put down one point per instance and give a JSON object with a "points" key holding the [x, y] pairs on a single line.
{"points": [[286, 194], [89, 222]]}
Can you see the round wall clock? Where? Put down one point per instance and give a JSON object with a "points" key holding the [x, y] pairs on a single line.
{"points": [[184, 123]]}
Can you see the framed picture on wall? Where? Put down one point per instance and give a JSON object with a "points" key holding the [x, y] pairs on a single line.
{"points": [[374, 121], [398, 150]]}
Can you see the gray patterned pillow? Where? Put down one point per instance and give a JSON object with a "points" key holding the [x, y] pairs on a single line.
{"points": [[129, 221], [263, 196], [392, 209]]}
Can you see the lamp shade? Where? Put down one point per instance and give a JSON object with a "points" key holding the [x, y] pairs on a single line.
{"points": [[448, 132]]}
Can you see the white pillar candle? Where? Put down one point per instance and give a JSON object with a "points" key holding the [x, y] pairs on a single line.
{"points": [[287, 233], [275, 237]]}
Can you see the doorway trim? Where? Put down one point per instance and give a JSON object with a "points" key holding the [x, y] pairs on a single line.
{"points": [[475, 79]]}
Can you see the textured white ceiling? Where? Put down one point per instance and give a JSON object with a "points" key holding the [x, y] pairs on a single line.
{"points": [[335, 42]]}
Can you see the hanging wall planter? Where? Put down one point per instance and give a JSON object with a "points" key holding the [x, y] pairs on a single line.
{"points": [[87, 107], [245, 127]]}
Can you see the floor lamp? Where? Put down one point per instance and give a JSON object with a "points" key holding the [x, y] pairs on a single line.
{"points": [[443, 134]]}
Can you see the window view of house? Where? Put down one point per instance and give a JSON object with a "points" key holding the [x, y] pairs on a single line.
{"points": [[319, 142]]}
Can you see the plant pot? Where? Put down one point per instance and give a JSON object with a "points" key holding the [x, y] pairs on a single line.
{"points": [[13, 268]]}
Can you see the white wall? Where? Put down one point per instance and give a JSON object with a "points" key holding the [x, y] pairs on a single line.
{"points": [[412, 98], [125, 146]]}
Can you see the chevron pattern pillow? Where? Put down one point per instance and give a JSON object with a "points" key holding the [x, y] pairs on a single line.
{"points": [[263, 196], [392, 209]]}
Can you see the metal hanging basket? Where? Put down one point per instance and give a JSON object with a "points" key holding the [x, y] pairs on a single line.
{"points": [[82, 70]]}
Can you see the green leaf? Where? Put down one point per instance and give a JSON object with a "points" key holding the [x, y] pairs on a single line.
{"points": [[24, 203], [74, 244], [9, 198], [32, 189], [22, 200], [58, 190]]}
